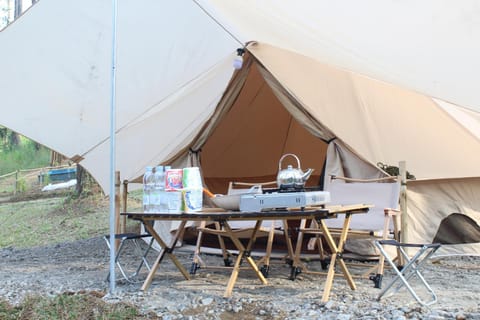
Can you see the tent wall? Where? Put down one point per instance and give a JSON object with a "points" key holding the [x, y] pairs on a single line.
{"points": [[249, 137], [257, 121], [381, 122], [446, 210], [252, 137], [341, 161]]}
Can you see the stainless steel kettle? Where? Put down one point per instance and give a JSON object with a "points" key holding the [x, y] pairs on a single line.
{"points": [[292, 178]]}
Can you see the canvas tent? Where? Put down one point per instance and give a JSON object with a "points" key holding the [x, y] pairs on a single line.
{"points": [[259, 119], [308, 67]]}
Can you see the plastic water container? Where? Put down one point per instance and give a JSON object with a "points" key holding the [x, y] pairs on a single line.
{"points": [[174, 201], [147, 188], [157, 192]]}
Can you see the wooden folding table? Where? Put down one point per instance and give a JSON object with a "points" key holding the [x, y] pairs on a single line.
{"points": [[318, 214], [336, 247]]}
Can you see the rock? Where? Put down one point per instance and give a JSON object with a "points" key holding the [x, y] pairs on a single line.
{"points": [[207, 301], [460, 316]]}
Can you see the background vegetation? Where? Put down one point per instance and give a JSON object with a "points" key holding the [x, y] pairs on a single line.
{"points": [[50, 218], [18, 152]]}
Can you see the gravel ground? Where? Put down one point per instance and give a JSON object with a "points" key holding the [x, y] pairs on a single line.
{"points": [[82, 266]]}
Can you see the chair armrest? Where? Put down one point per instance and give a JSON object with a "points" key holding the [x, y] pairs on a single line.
{"points": [[392, 212], [346, 179], [409, 245]]}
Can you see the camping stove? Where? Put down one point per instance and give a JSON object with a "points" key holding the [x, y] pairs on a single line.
{"points": [[283, 200]]}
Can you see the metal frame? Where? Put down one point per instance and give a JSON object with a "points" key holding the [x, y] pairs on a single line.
{"points": [[132, 237], [412, 268]]}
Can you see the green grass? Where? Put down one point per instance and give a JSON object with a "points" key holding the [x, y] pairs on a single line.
{"points": [[47, 221], [70, 307], [54, 220]]}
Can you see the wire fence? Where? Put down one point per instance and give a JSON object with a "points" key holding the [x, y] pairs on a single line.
{"points": [[27, 180]]}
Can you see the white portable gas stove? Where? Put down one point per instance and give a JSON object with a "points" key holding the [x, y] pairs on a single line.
{"points": [[283, 200]]}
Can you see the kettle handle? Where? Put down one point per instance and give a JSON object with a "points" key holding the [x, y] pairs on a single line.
{"points": [[285, 155]]}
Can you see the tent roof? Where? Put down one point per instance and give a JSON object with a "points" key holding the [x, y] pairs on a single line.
{"points": [[428, 46], [174, 62], [381, 122]]}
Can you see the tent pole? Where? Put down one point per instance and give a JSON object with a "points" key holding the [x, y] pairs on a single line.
{"points": [[402, 168], [123, 223], [118, 226], [112, 151]]}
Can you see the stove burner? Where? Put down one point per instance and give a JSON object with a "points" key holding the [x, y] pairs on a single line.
{"points": [[292, 189]]}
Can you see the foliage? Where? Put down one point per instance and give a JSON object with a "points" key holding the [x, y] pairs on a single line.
{"points": [[393, 170], [21, 185], [87, 305], [26, 155]]}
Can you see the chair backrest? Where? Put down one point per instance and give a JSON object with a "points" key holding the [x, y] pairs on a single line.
{"points": [[382, 193], [235, 187]]}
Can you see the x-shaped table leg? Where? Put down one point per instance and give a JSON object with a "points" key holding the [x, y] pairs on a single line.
{"points": [[165, 249], [337, 250], [242, 252]]}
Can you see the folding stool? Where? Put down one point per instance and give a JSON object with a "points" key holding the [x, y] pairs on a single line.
{"points": [[411, 268], [133, 238]]}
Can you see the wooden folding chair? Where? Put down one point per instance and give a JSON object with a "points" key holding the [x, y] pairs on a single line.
{"points": [[242, 230], [381, 222]]}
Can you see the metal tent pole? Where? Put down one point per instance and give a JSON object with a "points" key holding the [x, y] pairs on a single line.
{"points": [[112, 148]]}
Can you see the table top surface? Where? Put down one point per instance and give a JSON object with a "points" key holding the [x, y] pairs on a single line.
{"points": [[220, 214]]}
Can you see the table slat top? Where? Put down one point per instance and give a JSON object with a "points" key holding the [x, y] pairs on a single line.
{"points": [[220, 214]]}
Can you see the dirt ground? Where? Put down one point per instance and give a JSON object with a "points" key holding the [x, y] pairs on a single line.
{"points": [[82, 266]]}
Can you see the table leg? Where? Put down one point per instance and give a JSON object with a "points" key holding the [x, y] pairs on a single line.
{"points": [[341, 243], [297, 265], [242, 251], [288, 240], [197, 260], [336, 253], [165, 249]]}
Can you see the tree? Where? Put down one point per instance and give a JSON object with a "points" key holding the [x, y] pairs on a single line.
{"points": [[8, 138], [80, 180]]}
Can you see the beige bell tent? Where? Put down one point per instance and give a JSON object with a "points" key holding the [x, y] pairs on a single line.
{"points": [[271, 108], [320, 74]]}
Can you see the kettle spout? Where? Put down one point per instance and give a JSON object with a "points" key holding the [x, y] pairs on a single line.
{"points": [[307, 174]]}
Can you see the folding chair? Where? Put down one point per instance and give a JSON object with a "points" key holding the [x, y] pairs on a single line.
{"points": [[242, 230], [410, 269], [124, 239], [382, 221]]}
